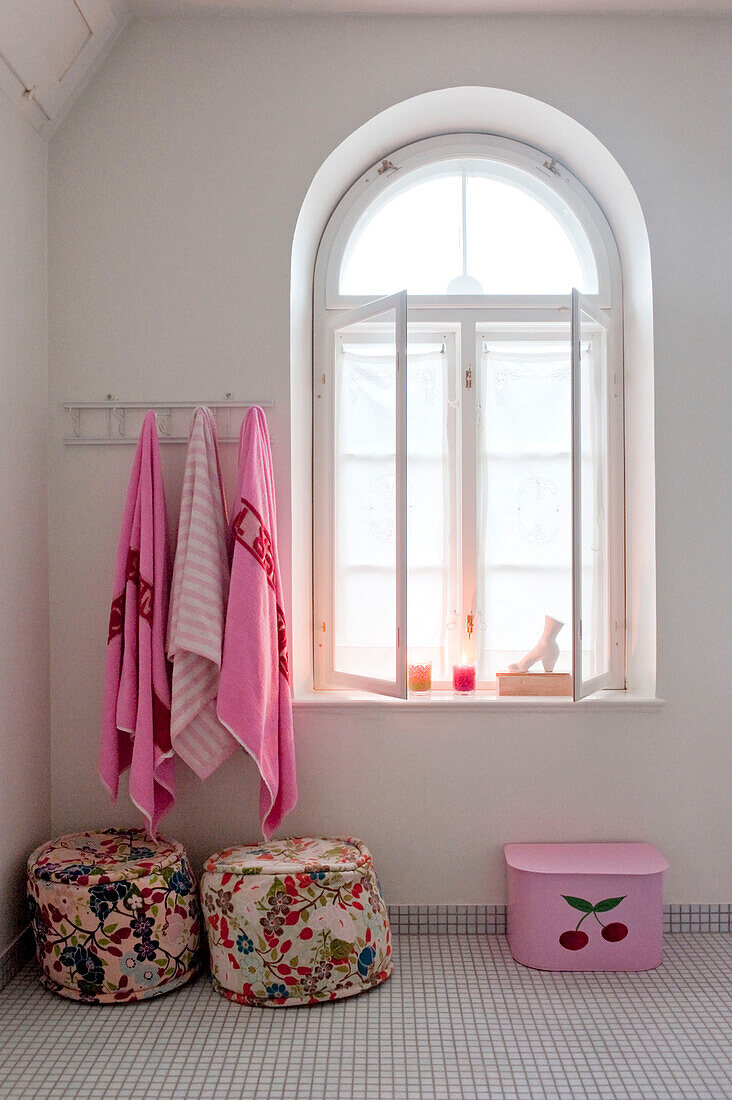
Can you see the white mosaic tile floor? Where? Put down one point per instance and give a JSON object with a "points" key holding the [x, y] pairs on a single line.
{"points": [[459, 1018]]}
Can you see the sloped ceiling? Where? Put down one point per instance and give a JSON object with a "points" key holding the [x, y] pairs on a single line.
{"points": [[49, 49]]}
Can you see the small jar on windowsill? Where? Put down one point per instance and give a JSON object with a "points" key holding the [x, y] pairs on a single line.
{"points": [[419, 678], [463, 679]]}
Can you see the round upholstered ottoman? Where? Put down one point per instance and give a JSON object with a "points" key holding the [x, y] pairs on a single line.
{"points": [[295, 921], [115, 915]]}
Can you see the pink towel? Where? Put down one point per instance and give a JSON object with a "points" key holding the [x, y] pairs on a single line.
{"points": [[199, 593], [254, 690], [136, 717]]}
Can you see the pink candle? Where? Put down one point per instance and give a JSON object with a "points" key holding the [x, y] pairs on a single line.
{"points": [[463, 679], [419, 677]]}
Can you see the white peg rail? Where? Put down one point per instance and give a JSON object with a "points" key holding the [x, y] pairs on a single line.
{"points": [[117, 427]]}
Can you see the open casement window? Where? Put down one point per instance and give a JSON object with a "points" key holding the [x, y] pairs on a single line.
{"points": [[595, 631], [362, 641], [467, 452]]}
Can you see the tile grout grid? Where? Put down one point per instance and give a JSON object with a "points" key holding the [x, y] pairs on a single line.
{"points": [[491, 919], [448, 920], [459, 1019]]}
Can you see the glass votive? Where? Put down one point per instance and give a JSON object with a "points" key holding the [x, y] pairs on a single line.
{"points": [[419, 678], [463, 679]]}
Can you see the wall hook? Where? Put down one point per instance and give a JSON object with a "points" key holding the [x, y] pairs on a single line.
{"points": [[123, 419]]}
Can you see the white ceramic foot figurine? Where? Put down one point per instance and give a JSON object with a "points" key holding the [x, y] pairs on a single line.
{"points": [[546, 649]]}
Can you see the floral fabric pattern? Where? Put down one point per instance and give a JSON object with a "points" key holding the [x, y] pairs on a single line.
{"points": [[115, 915], [295, 921], [293, 854]]}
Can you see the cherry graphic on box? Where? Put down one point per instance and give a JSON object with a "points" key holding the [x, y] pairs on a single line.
{"points": [[575, 940]]}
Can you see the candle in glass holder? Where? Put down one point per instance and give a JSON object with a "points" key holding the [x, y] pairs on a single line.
{"points": [[419, 677], [463, 679]]}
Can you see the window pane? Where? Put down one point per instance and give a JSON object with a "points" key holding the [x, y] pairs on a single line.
{"points": [[516, 245], [595, 611], [365, 590], [430, 504], [524, 498], [412, 241], [365, 561], [472, 226]]}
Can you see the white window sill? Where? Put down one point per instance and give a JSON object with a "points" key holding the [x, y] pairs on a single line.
{"points": [[328, 701]]}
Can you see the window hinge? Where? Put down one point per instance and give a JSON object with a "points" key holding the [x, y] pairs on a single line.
{"points": [[469, 378]]}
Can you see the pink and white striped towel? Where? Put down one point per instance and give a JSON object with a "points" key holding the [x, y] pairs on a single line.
{"points": [[198, 605]]}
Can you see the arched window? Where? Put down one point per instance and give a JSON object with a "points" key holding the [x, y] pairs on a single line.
{"points": [[468, 463]]}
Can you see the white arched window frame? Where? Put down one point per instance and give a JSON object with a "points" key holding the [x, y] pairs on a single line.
{"points": [[458, 324]]}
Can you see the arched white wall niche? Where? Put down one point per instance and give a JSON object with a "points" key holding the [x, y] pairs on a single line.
{"points": [[521, 118]]}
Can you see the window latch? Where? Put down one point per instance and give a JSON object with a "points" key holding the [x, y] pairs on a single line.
{"points": [[469, 378], [469, 625]]}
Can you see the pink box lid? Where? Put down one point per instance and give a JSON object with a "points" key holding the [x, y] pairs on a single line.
{"points": [[586, 859]]}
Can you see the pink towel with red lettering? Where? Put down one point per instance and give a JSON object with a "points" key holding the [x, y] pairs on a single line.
{"points": [[254, 690], [136, 715]]}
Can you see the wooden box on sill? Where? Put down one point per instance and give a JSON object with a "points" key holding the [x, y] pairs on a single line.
{"points": [[534, 683]]}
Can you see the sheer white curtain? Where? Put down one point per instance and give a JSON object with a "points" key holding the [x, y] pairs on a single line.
{"points": [[364, 463], [596, 619], [524, 499]]}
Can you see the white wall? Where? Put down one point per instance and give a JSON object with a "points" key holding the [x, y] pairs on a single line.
{"points": [[174, 189], [24, 691]]}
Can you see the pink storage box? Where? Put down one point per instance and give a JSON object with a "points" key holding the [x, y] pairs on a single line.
{"points": [[585, 906]]}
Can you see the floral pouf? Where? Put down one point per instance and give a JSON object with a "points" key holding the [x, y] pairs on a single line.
{"points": [[115, 915], [295, 921]]}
